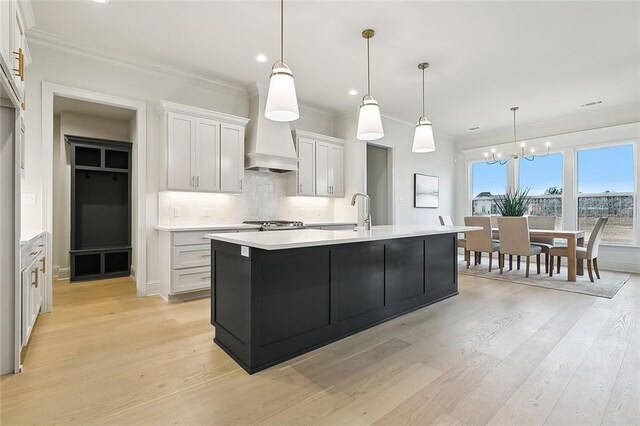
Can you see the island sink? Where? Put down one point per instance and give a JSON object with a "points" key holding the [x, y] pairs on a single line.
{"points": [[277, 295]]}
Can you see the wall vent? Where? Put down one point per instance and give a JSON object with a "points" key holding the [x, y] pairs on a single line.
{"points": [[589, 104]]}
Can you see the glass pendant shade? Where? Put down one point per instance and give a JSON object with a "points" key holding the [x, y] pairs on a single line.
{"points": [[369, 120], [282, 102], [423, 137]]}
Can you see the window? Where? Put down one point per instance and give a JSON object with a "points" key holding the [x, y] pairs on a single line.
{"points": [[606, 189], [488, 180], [543, 177]]}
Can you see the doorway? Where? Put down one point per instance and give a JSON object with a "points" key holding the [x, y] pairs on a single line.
{"points": [[55, 100], [380, 184]]}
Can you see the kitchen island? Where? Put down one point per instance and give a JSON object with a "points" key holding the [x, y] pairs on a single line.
{"points": [[277, 295]]}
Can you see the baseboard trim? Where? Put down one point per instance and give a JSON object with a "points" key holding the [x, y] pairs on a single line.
{"points": [[619, 266], [60, 273], [152, 288]]}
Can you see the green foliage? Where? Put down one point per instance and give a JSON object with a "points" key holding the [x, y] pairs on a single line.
{"points": [[513, 202], [553, 191]]}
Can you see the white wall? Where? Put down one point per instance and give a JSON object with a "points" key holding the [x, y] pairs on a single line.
{"points": [[85, 71], [399, 137], [67, 123]]}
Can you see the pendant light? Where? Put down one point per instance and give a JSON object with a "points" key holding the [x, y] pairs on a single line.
{"points": [[423, 137], [369, 121], [282, 102]]}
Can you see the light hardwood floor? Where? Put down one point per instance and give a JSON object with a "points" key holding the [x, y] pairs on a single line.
{"points": [[499, 353]]}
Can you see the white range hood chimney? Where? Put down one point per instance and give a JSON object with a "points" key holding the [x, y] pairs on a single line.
{"points": [[269, 144]]}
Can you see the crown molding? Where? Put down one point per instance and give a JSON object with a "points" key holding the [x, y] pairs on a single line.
{"points": [[73, 46], [26, 12]]}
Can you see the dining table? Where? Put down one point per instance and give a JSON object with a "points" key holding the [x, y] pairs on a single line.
{"points": [[574, 239]]}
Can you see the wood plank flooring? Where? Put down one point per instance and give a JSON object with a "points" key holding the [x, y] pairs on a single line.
{"points": [[499, 353]]}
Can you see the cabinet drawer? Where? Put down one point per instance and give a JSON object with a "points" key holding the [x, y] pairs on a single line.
{"points": [[195, 237], [190, 256], [191, 279]]}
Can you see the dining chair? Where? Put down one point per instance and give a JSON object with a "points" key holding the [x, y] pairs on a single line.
{"points": [[590, 253], [494, 224], [547, 223], [445, 220], [515, 240], [480, 241]]}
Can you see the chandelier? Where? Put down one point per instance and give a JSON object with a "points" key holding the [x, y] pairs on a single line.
{"points": [[496, 157]]}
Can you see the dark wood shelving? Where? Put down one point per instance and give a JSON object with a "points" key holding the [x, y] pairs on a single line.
{"points": [[100, 208]]}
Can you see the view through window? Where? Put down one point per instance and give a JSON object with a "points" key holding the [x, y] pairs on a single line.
{"points": [[606, 189], [543, 177], [487, 180]]}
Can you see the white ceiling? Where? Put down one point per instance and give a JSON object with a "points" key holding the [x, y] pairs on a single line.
{"points": [[546, 57]]}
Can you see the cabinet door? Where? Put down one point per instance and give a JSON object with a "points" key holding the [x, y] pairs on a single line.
{"points": [[207, 155], [306, 166], [7, 18], [181, 139], [322, 168], [231, 157], [336, 173], [19, 43]]}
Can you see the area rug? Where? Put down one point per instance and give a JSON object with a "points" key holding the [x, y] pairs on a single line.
{"points": [[607, 286]]}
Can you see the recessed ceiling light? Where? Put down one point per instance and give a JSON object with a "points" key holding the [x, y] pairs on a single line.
{"points": [[261, 58], [353, 92], [100, 1]]}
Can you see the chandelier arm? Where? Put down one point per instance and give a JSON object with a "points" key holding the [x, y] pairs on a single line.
{"points": [[368, 70]]}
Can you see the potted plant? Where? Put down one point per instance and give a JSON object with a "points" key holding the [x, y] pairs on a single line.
{"points": [[514, 202]]}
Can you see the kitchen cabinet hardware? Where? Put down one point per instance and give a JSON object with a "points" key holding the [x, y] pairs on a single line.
{"points": [[197, 181], [35, 283], [20, 70], [206, 278], [44, 265]]}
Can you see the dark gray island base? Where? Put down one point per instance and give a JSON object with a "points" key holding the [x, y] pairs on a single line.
{"points": [[277, 304]]}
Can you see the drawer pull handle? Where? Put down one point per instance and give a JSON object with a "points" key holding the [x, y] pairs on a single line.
{"points": [[206, 255], [33, 253], [205, 278]]}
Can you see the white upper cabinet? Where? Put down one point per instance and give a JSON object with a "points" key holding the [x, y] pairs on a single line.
{"points": [[15, 18], [181, 139], [205, 149], [320, 166], [306, 166], [336, 171], [207, 153], [231, 158]]}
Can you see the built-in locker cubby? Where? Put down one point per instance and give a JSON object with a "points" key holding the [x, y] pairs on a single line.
{"points": [[100, 208]]}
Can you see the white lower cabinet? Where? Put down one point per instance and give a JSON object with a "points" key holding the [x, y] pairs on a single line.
{"points": [[34, 264], [185, 262], [320, 166]]}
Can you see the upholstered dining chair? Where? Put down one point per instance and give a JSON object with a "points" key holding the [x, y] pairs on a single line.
{"points": [[462, 242], [515, 240], [480, 241], [590, 253], [543, 222]]}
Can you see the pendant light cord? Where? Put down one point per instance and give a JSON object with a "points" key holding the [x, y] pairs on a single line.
{"points": [[368, 71], [423, 92], [515, 139], [282, 31]]}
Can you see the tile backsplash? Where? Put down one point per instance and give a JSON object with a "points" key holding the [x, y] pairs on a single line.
{"points": [[264, 197]]}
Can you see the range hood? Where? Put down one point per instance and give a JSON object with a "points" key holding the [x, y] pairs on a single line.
{"points": [[269, 144]]}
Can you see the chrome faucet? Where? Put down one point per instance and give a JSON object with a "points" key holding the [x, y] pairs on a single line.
{"points": [[366, 218]]}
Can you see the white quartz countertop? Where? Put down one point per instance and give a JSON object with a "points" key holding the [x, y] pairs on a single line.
{"points": [[279, 240], [354, 223], [228, 227]]}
